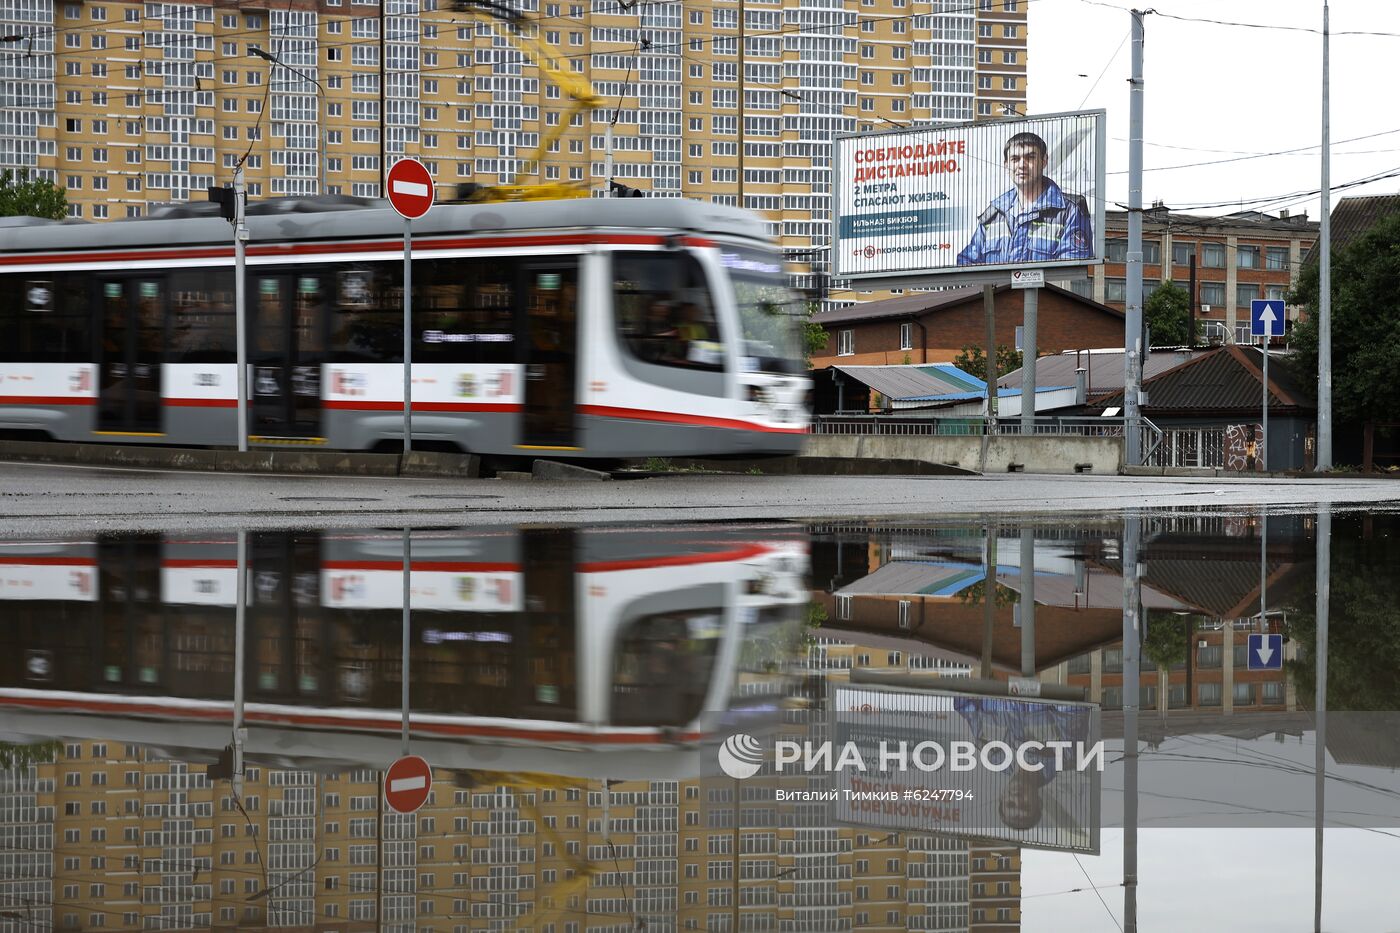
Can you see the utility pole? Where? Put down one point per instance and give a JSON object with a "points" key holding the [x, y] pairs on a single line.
{"points": [[240, 301], [741, 104], [1132, 344], [1132, 642], [1324, 278]]}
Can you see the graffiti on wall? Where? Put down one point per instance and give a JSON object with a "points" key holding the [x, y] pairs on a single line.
{"points": [[1243, 444]]}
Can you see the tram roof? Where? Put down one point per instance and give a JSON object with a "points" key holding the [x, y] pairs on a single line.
{"points": [[335, 217]]}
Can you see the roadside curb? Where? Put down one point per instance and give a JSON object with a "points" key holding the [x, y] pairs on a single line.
{"points": [[322, 462]]}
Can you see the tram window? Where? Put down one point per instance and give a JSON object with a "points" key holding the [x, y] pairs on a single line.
{"points": [[664, 311], [307, 312], [663, 666], [201, 317], [464, 311], [367, 313], [45, 320]]}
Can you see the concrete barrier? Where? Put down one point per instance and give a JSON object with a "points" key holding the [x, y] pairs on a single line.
{"points": [[263, 460], [1042, 453]]}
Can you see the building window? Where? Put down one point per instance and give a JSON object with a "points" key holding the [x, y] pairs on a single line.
{"points": [[906, 336], [1116, 250], [1208, 694], [1182, 253], [1115, 290], [1244, 294], [845, 342], [1247, 257], [1213, 293], [1276, 259], [1275, 292], [1213, 255]]}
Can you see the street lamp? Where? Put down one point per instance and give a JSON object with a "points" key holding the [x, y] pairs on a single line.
{"points": [[273, 59]]}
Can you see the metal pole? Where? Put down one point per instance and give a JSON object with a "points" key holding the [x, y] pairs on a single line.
{"points": [[989, 600], [741, 104], [239, 653], [1324, 277], [1132, 640], [1027, 602], [1132, 325], [1029, 347], [240, 305], [1264, 446], [407, 645], [607, 172], [989, 311], [1324, 584], [407, 335]]}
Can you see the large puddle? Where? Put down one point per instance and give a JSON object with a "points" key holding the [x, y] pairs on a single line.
{"points": [[1085, 723]]}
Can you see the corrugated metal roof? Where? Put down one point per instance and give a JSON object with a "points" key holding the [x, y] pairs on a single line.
{"points": [[920, 303], [1225, 379], [916, 381], [1104, 368]]}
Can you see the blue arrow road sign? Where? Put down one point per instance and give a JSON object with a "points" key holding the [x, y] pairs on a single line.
{"points": [[1265, 653], [1266, 317]]}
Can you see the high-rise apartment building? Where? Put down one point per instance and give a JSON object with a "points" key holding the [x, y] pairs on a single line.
{"points": [[128, 105]]}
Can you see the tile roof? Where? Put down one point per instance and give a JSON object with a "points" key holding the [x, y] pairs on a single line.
{"points": [[1352, 217]]}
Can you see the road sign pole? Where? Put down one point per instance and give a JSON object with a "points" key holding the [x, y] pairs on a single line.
{"points": [[1264, 444], [407, 335], [407, 646], [1132, 318]]}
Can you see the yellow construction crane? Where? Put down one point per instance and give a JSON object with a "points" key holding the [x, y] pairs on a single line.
{"points": [[575, 87]]}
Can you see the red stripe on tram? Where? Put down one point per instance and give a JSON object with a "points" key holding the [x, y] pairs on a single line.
{"points": [[670, 417], [46, 400], [201, 402], [35, 561], [679, 560]]}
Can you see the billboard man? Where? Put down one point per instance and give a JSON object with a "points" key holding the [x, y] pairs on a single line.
{"points": [[1033, 222]]}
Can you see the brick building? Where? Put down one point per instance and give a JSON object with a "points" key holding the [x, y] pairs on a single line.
{"points": [[1238, 257], [933, 327]]}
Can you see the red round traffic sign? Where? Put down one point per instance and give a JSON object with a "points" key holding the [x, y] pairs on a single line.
{"points": [[407, 783], [410, 188]]}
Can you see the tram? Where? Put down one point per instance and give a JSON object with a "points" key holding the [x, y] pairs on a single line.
{"points": [[583, 328], [538, 650]]}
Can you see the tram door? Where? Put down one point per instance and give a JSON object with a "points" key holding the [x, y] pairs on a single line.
{"points": [[551, 359], [131, 345], [288, 347]]}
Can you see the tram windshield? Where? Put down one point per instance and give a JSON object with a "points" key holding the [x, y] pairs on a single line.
{"points": [[770, 313]]}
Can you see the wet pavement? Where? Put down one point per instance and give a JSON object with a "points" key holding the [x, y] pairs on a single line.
{"points": [[714, 726]]}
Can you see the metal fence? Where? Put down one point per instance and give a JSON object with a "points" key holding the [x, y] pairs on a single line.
{"points": [[969, 427], [1188, 447]]}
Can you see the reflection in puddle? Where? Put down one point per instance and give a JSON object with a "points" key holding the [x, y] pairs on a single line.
{"points": [[571, 690]]}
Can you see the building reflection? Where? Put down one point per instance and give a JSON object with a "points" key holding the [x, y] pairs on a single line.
{"points": [[560, 685]]}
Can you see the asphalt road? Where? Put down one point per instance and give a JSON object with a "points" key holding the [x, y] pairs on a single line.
{"points": [[48, 499]]}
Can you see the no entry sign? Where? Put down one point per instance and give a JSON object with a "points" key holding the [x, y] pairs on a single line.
{"points": [[410, 188], [407, 783]]}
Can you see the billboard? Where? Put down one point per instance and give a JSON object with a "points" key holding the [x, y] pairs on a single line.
{"points": [[1047, 798], [970, 197]]}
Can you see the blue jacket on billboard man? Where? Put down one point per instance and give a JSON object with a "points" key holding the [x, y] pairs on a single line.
{"points": [[1034, 221]]}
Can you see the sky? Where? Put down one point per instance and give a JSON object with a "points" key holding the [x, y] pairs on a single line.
{"points": [[1220, 92]]}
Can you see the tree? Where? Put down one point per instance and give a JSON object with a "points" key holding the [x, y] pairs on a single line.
{"points": [[1363, 636], [1168, 638], [1365, 325], [974, 362], [1168, 313], [22, 196], [16, 757]]}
